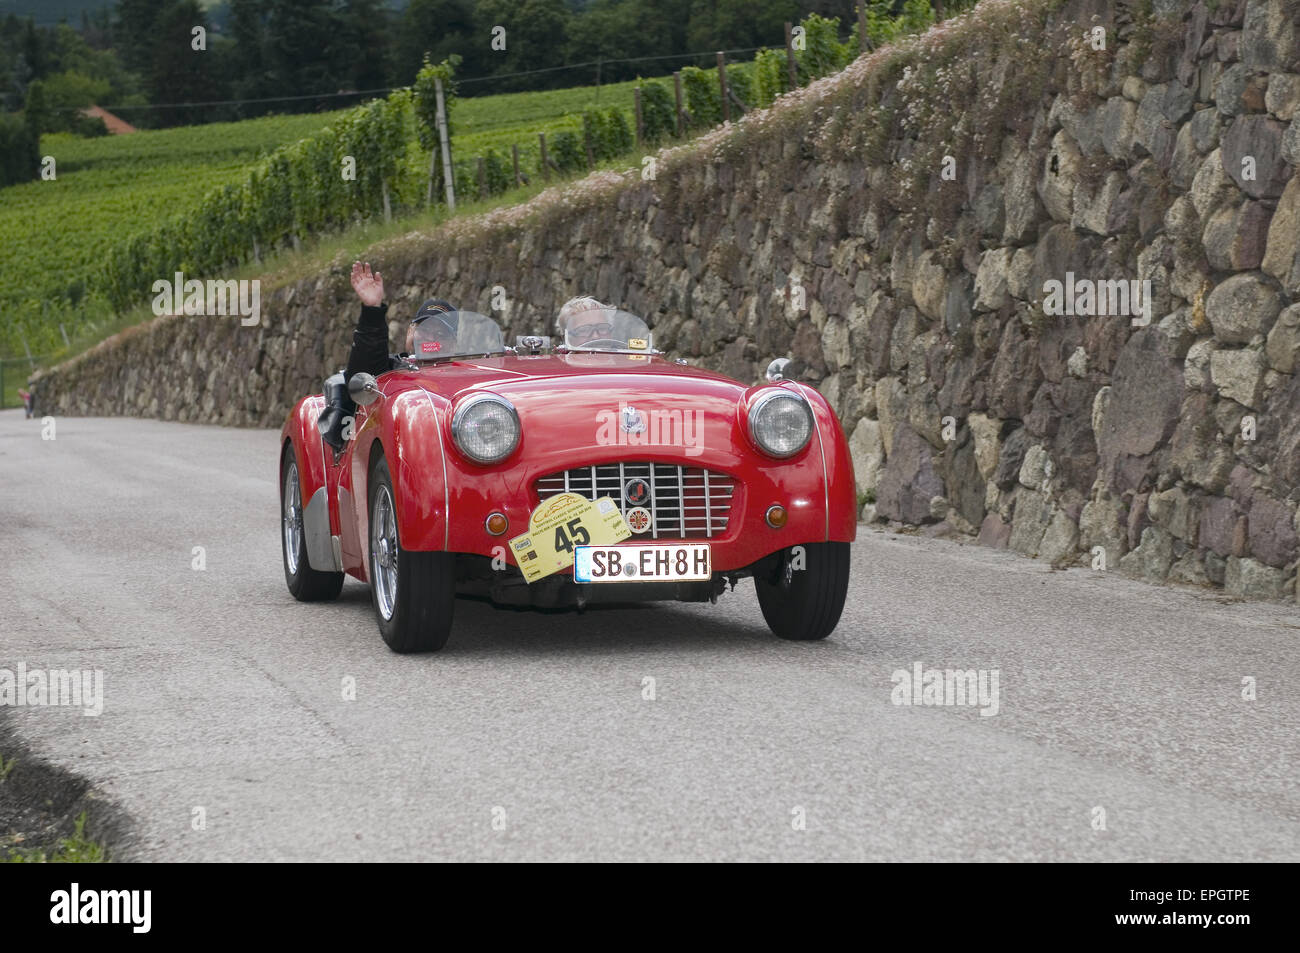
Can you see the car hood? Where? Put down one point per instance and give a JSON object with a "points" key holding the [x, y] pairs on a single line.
{"points": [[605, 401]]}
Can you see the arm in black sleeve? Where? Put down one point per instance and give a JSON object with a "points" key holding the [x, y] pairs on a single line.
{"points": [[370, 343]]}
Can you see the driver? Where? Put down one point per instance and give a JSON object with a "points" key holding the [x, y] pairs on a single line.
{"points": [[585, 319], [438, 322]]}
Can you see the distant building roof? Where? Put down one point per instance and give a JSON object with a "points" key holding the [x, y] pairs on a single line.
{"points": [[116, 126]]}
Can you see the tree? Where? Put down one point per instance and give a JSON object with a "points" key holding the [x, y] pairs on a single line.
{"points": [[536, 39], [134, 26], [36, 112], [66, 94], [738, 24], [440, 28], [300, 39], [177, 72], [20, 157], [244, 58], [366, 47]]}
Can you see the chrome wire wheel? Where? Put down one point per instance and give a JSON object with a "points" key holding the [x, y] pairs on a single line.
{"points": [[291, 518], [305, 583], [383, 552]]}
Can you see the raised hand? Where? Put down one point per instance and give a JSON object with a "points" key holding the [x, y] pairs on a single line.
{"points": [[368, 285]]}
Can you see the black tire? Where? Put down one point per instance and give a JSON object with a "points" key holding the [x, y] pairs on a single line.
{"points": [[305, 584], [804, 605], [425, 596]]}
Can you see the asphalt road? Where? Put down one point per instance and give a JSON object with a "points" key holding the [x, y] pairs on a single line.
{"points": [[530, 738]]}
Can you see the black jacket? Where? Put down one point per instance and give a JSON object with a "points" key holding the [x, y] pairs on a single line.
{"points": [[370, 344]]}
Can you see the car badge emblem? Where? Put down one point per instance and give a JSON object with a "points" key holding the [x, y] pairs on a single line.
{"points": [[638, 519], [636, 491], [633, 421]]}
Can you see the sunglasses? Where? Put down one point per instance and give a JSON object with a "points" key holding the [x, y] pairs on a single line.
{"points": [[589, 332]]}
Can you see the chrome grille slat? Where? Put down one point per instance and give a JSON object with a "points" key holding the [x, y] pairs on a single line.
{"points": [[708, 512], [685, 501], [654, 506], [681, 496]]}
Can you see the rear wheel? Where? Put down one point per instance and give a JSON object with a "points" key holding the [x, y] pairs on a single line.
{"points": [[306, 584], [803, 595], [413, 593]]}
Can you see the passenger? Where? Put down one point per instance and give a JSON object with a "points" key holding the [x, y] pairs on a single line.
{"points": [[583, 320]]}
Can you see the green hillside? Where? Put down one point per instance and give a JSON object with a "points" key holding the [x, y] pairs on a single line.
{"points": [[57, 233]]}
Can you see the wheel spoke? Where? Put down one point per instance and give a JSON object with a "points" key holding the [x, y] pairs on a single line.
{"points": [[384, 552], [292, 518]]}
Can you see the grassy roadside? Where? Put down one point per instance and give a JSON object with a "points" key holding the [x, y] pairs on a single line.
{"points": [[49, 815], [74, 849]]}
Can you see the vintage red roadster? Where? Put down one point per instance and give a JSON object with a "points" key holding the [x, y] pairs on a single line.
{"points": [[562, 473]]}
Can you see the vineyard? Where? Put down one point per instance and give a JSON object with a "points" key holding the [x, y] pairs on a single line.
{"points": [[124, 211], [58, 233]]}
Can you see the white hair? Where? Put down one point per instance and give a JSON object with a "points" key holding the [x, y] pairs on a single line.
{"points": [[577, 306]]}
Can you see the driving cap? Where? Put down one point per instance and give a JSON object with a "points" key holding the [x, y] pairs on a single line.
{"points": [[445, 313]]}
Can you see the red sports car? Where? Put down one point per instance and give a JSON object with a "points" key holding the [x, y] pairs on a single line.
{"points": [[565, 473]]}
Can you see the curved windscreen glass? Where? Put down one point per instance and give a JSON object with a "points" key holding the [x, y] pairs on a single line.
{"points": [[607, 329], [456, 334]]}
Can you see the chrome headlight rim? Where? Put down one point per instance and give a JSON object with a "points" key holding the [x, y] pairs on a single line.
{"points": [[458, 421], [756, 408]]}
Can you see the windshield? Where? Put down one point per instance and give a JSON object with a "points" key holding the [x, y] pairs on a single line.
{"points": [[456, 334], [607, 329]]}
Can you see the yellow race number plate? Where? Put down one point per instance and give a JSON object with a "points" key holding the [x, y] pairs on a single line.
{"points": [[559, 525]]}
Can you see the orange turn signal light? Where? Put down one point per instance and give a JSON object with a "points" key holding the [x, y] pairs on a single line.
{"points": [[776, 516], [497, 524]]}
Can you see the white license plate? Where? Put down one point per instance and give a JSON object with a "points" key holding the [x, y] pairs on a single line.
{"points": [[630, 562]]}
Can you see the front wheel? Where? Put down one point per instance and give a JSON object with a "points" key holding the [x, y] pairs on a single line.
{"points": [[413, 593], [305, 584], [802, 596]]}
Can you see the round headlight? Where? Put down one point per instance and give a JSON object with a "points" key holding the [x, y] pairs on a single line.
{"points": [[781, 422], [486, 428]]}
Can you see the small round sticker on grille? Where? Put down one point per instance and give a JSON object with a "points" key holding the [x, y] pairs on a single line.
{"points": [[638, 519], [636, 491]]}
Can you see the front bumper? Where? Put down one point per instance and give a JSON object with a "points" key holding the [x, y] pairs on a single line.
{"points": [[745, 539]]}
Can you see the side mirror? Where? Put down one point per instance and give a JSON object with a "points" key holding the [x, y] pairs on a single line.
{"points": [[363, 390], [775, 370]]}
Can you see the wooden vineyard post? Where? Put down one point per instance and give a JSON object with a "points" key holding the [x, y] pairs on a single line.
{"points": [[448, 179], [789, 56], [722, 86], [681, 113]]}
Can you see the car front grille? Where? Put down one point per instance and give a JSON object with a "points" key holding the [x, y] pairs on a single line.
{"points": [[685, 502]]}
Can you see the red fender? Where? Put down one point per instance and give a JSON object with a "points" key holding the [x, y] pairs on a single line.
{"points": [[411, 436], [841, 486], [300, 430]]}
